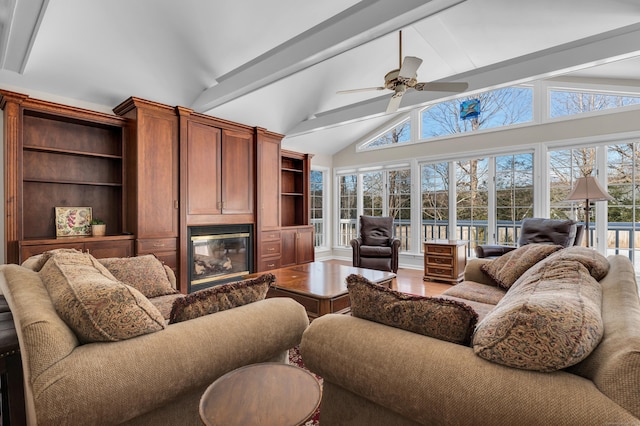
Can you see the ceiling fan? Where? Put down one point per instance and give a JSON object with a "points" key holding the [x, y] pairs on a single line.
{"points": [[404, 78]]}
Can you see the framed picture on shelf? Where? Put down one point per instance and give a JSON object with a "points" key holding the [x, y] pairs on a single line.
{"points": [[73, 221]]}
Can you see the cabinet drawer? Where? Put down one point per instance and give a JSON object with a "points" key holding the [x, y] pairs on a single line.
{"points": [[439, 249], [153, 245], [26, 251], [270, 248], [270, 235], [268, 264], [440, 271], [101, 249], [440, 260]]}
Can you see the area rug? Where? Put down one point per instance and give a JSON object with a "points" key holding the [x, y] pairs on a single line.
{"points": [[296, 359]]}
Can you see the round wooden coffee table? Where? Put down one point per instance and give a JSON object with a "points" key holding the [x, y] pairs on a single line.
{"points": [[263, 394]]}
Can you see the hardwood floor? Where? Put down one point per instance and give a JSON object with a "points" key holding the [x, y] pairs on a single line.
{"points": [[410, 281]]}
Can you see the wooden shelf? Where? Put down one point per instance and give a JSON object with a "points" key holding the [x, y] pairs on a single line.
{"points": [[70, 152], [72, 182]]}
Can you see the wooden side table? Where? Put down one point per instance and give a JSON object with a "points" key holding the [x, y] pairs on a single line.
{"points": [[444, 260], [266, 394]]}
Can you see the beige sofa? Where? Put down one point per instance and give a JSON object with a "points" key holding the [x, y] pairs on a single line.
{"points": [[375, 374], [152, 379]]}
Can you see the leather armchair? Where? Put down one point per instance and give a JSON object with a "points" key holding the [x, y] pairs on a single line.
{"points": [[376, 247], [538, 230]]}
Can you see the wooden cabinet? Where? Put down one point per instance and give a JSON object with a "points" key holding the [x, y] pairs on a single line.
{"points": [[111, 246], [59, 156], [444, 260], [152, 180], [268, 242], [297, 245], [219, 170]]}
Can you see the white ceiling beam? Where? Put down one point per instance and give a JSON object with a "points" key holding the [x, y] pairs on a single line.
{"points": [[591, 51], [19, 24], [359, 24]]}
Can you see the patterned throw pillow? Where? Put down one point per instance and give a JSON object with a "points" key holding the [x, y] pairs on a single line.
{"points": [[439, 318], [596, 264], [506, 269], [220, 298], [94, 305], [144, 273], [35, 263], [549, 320]]}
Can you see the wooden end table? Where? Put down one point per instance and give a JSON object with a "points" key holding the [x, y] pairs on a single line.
{"points": [[444, 260], [266, 394]]}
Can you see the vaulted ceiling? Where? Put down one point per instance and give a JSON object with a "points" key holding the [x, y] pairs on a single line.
{"points": [[278, 64]]}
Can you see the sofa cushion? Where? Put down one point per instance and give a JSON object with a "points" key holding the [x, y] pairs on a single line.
{"points": [[442, 319], [220, 298], [144, 273], [549, 320], [506, 269], [476, 292], [596, 264], [94, 305], [375, 251]]}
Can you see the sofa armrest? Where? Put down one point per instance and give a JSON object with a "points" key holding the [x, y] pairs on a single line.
{"points": [[436, 382], [472, 272], [121, 380], [483, 251], [355, 244]]}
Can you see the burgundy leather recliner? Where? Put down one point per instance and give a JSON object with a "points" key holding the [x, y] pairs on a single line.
{"points": [[538, 230], [376, 247]]}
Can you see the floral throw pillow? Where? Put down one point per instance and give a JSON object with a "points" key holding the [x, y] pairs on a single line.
{"points": [[144, 273], [442, 319], [94, 305], [506, 269], [220, 298]]}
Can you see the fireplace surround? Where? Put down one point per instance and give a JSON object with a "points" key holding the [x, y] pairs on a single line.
{"points": [[219, 254]]}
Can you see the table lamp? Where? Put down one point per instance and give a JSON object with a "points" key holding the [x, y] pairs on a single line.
{"points": [[588, 188]]}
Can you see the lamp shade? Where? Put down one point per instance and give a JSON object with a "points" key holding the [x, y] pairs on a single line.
{"points": [[588, 188]]}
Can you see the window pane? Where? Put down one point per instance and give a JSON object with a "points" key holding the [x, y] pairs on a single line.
{"points": [[398, 135], [399, 184], [317, 206], [472, 201], [514, 195], [435, 201], [348, 187], [373, 193], [564, 102], [501, 107]]}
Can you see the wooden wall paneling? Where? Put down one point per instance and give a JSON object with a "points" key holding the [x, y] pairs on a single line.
{"points": [[237, 186]]}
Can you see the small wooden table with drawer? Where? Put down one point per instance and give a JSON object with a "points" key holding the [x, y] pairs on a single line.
{"points": [[444, 260]]}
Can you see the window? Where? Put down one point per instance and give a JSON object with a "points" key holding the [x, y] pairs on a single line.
{"points": [[472, 198], [500, 107], [565, 166], [348, 187], [399, 202], [567, 102], [317, 184], [623, 213], [435, 201], [514, 195], [401, 133], [373, 194]]}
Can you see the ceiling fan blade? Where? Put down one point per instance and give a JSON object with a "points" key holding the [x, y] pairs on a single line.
{"points": [[365, 89], [442, 87], [409, 67], [394, 102]]}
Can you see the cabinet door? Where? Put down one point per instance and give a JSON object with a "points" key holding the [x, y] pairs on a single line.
{"points": [[157, 169], [203, 171], [288, 254], [237, 172], [268, 182], [304, 245]]}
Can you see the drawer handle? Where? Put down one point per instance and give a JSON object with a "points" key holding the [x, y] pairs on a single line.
{"points": [[271, 265], [271, 249], [158, 244]]}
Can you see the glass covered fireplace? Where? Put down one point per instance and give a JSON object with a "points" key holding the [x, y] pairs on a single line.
{"points": [[219, 254]]}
